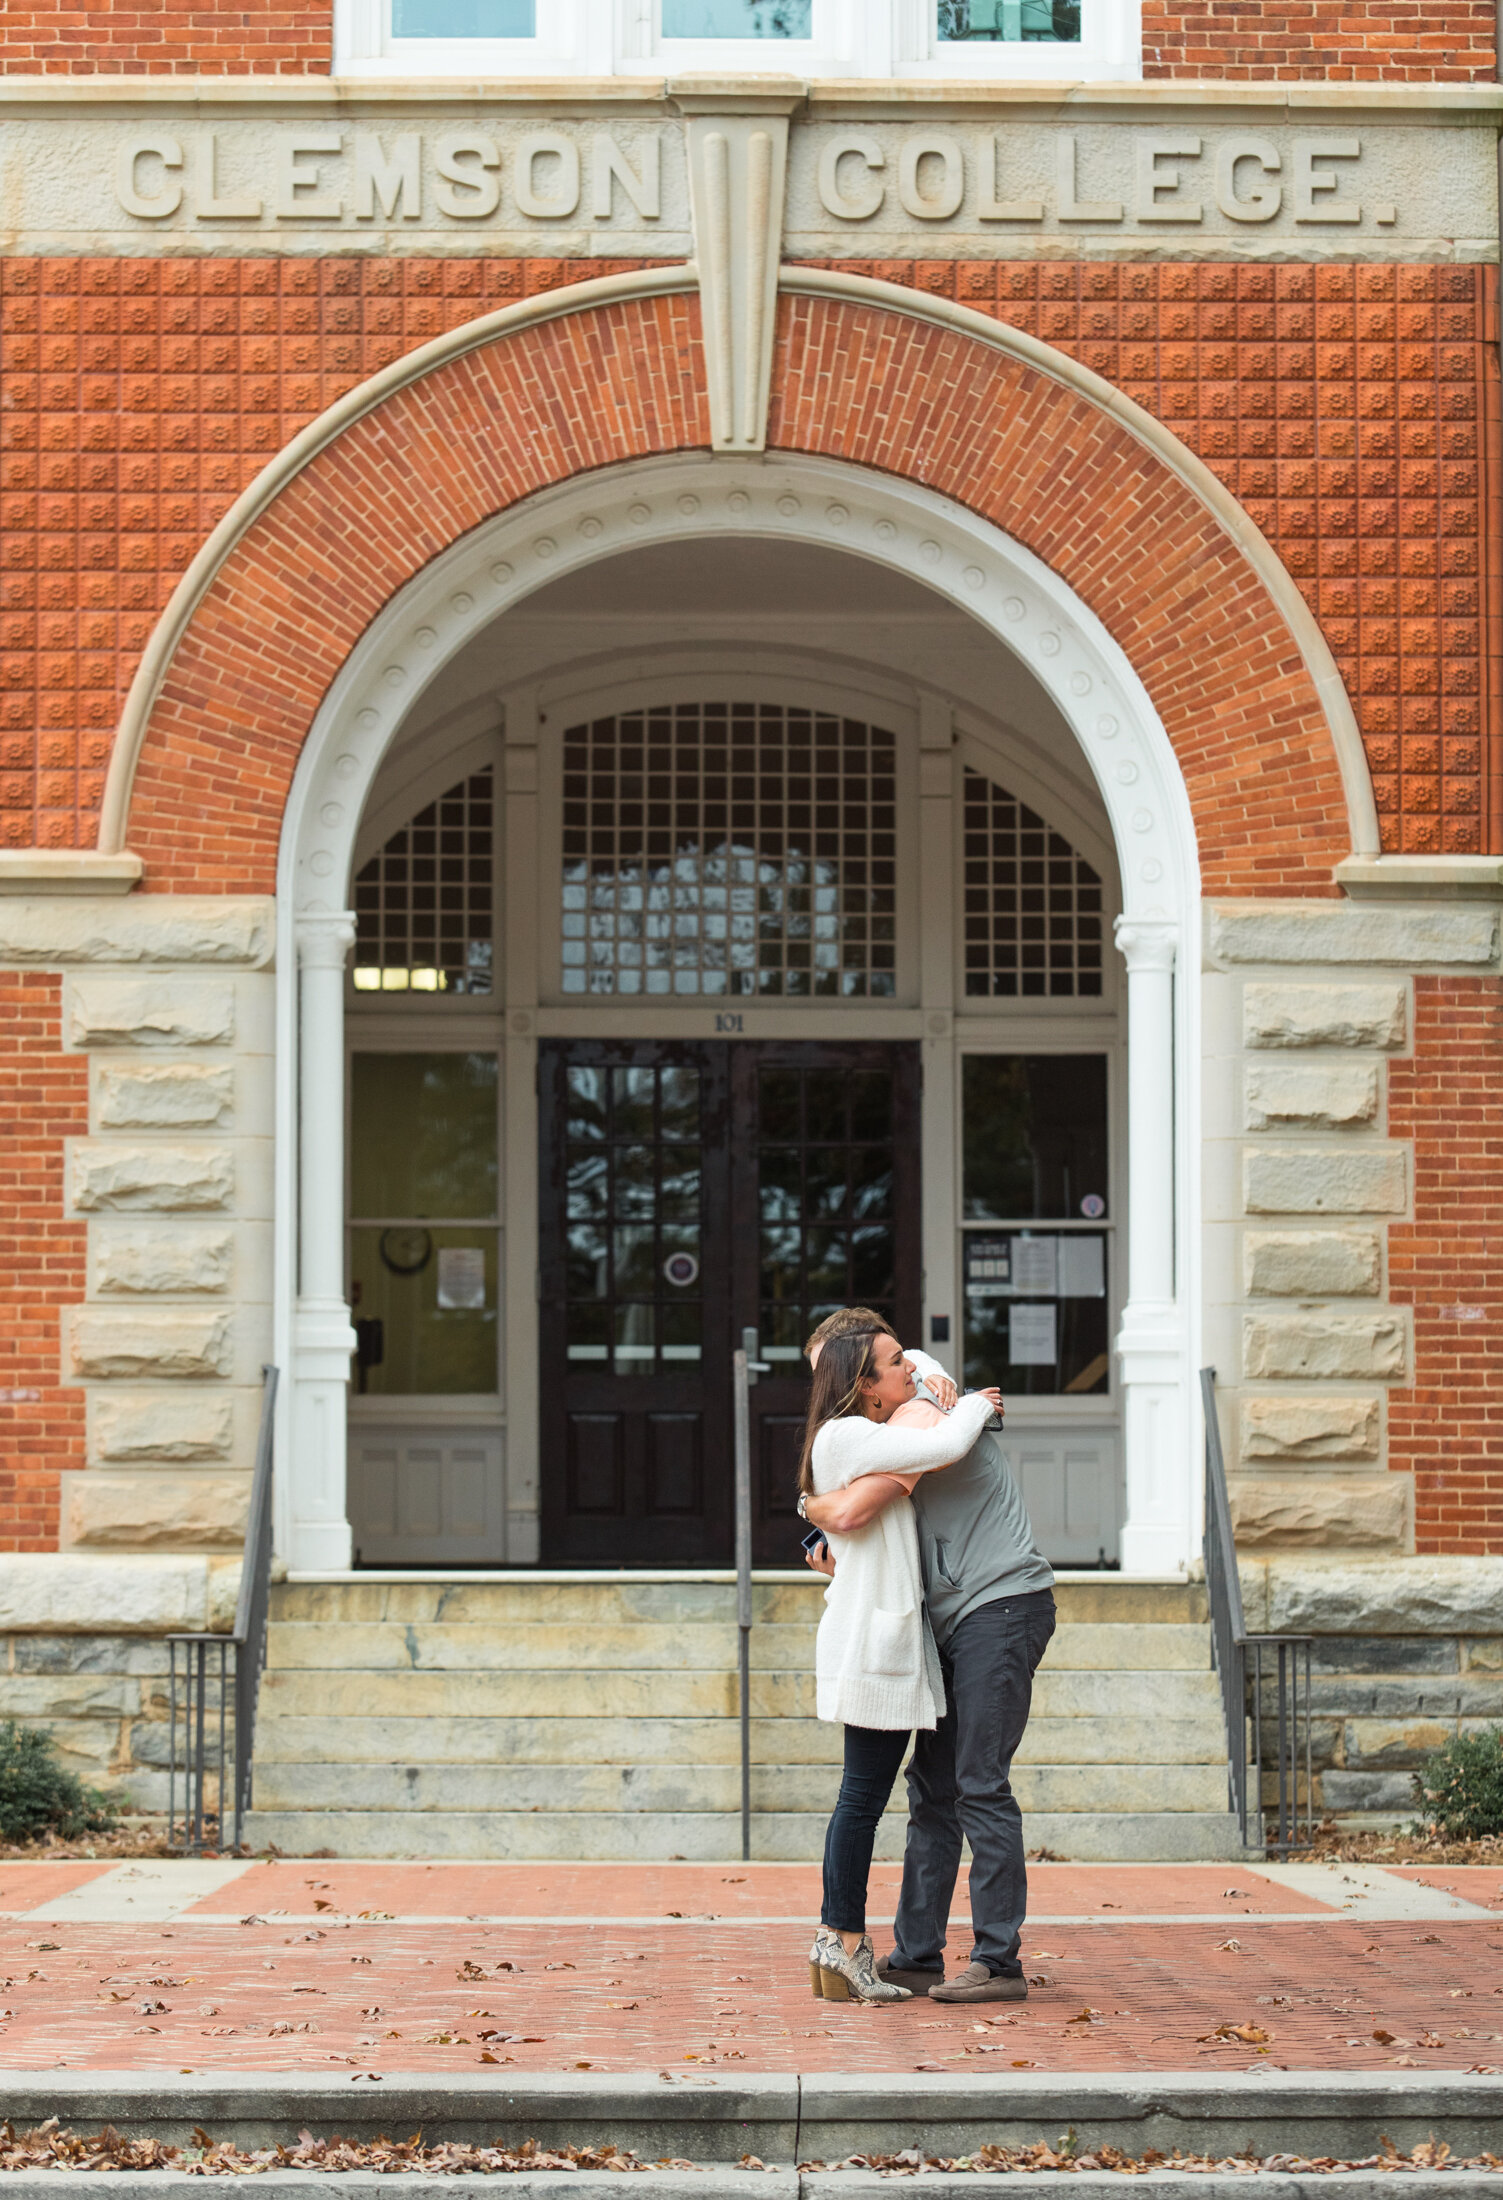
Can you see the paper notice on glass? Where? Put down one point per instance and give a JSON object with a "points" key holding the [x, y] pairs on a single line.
{"points": [[1082, 1268], [1035, 1267], [1031, 1336], [461, 1278]]}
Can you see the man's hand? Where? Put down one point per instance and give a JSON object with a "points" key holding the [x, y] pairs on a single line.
{"points": [[821, 1562]]}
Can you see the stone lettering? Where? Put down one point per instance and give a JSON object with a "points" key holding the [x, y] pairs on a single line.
{"points": [[1262, 202], [934, 205], [610, 166], [1072, 208], [469, 185], [393, 182], [563, 200], [208, 205], [127, 182], [298, 195], [1312, 182], [993, 207], [1157, 187], [851, 198]]}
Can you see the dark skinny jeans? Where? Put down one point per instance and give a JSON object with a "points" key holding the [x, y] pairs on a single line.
{"points": [[872, 1757]]}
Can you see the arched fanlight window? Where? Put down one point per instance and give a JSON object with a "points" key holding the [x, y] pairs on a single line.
{"points": [[1033, 905], [730, 849], [424, 905]]}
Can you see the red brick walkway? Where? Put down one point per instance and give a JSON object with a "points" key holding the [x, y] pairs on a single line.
{"points": [[673, 1966]]}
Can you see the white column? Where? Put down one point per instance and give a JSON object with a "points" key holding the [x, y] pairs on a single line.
{"points": [[937, 901], [1156, 1425], [322, 1336]]}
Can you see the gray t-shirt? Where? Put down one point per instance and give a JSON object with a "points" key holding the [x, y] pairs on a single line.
{"points": [[975, 1538]]}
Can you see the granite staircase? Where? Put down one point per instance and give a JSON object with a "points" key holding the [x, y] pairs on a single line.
{"points": [[575, 1716]]}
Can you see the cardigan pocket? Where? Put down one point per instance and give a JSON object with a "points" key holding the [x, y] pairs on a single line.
{"points": [[893, 1643]]}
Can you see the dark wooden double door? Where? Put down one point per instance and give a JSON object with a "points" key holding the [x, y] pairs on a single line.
{"points": [[690, 1191]]}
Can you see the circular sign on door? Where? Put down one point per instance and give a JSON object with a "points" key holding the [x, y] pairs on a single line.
{"points": [[681, 1269]]}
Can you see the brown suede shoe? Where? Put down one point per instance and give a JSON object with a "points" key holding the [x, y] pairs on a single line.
{"points": [[977, 1983], [917, 1982]]}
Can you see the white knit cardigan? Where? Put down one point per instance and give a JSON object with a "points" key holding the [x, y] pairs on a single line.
{"points": [[874, 1658]]}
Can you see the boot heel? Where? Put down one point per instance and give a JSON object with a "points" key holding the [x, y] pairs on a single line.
{"points": [[834, 1986], [815, 1976]]}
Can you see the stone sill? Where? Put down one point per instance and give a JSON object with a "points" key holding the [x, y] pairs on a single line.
{"points": [[66, 871], [1422, 878]]}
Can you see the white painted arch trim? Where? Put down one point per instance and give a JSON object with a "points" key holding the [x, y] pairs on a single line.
{"points": [[258, 496], [888, 521]]}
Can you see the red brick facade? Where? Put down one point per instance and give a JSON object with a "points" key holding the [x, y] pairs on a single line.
{"points": [[1445, 1264], [165, 38], [44, 1099], [1345, 407], [1393, 41]]}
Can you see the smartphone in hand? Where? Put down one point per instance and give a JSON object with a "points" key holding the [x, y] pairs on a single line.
{"points": [[815, 1544]]}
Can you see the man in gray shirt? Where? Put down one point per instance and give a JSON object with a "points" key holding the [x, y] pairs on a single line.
{"points": [[988, 1591]]}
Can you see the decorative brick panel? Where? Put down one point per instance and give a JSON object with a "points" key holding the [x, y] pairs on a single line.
{"points": [[1335, 40], [1449, 1428], [165, 38], [1343, 406], [44, 1098]]}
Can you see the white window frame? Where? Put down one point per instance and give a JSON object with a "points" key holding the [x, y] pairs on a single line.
{"points": [[852, 38]]}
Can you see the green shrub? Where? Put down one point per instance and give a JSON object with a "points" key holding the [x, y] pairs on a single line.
{"points": [[1461, 1786], [38, 1796]]}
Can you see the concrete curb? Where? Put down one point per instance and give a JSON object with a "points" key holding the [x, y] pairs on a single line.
{"points": [[711, 2183], [786, 2119]]}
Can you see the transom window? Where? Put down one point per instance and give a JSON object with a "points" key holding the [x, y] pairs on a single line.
{"points": [[1033, 913], [873, 38], [730, 849], [424, 905]]}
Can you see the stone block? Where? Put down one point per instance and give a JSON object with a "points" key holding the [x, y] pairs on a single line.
{"points": [[178, 1341], [1461, 935], [1311, 1264], [1320, 1347], [1394, 1744], [143, 928], [149, 1012], [169, 1426], [1484, 1653], [142, 1257], [1416, 1596], [163, 1096], [1324, 1015], [1409, 1696], [1323, 1096], [1325, 1180], [1389, 1792], [72, 1593], [1423, 1656], [156, 1511], [109, 1175], [1340, 1512], [135, 1655], [1310, 1425]]}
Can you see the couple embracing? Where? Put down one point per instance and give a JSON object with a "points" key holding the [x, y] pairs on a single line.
{"points": [[939, 1608]]}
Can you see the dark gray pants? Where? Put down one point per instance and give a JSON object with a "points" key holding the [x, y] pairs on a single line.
{"points": [[958, 1784]]}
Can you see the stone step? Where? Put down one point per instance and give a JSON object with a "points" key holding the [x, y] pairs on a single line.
{"points": [[711, 1837], [589, 1790], [617, 1599], [306, 1693], [690, 1647], [1084, 1740]]}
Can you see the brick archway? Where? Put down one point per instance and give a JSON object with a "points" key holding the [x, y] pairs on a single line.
{"points": [[622, 378]]}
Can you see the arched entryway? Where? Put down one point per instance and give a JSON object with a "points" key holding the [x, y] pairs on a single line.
{"points": [[1103, 563]]}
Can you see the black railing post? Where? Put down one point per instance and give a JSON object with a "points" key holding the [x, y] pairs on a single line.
{"points": [[240, 1688], [1231, 1644]]}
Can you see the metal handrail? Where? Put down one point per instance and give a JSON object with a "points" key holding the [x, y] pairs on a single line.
{"points": [[210, 1697], [1256, 1663]]}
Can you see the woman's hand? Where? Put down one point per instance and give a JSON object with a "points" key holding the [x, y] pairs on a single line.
{"points": [[943, 1392], [821, 1562]]}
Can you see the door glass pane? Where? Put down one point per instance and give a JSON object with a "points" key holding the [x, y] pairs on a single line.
{"points": [[425, 1308], [633, 1246], [737, 18], [1036, 1311], [464, 18], [1034, 1137], [825, 1160], [1008, 21], [423, 1137]]}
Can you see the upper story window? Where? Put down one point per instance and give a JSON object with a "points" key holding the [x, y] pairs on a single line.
{"points": [[811, 38]]}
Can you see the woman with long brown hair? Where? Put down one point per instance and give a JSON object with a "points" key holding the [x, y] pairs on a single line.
{"points": [[876, 1667]]}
